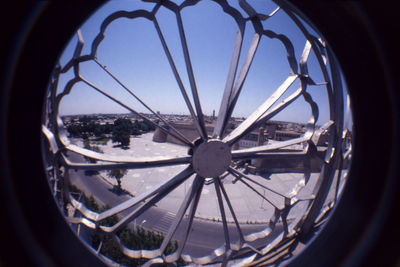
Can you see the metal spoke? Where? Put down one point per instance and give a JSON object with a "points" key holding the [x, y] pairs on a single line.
{"points": [[250, 152], [269, 114], [271, 155], [222, 211], [260, 119], [197, 184], [121, 161], [162, 190], [259, 112], [186, 231], [249, 186], [138, 99], [143, 208], [221, 185], [200, 117], [138, 164], [134, 111], [177, 77], [130, 165], [232, 170], [223, 110], [227, 110]]}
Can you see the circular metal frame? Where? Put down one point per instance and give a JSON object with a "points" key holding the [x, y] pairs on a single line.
{"points": [[243, 251], [33, 231]]}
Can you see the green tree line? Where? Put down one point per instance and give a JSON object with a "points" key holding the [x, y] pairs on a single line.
{"points": [[120, 130], [138, 239]]}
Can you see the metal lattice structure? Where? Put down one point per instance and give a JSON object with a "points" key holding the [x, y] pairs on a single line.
{"points": [[211, 155]]}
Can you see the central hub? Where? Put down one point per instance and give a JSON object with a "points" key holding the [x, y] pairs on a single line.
{"points": [[211, 158]]}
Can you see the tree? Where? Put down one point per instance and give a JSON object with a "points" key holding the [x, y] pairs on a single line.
{"points": [[86, 119], [117, 174], [99, 130], [107, 128], [148, 126], [97, 149], [143, 126], [138, 239], [109, 221], [74, 130], [136, 128], [121, 131], [91, 203]]}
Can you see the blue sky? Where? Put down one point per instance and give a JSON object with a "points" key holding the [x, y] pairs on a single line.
{"points": [[132, 51]]}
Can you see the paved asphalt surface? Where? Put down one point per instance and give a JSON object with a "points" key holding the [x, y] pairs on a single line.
{"points": [[204, 235]]}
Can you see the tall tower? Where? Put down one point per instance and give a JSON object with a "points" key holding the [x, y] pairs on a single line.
{"points": [[261, 138], [260, 141], [160, 136]]}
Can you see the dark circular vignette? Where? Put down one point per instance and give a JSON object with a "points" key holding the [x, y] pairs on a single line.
{"points": [[35, 235], [385, 231], [33, 231], [363, 41]]}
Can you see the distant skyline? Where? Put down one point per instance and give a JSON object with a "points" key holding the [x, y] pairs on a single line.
{"points": [[132, 51], [188, 116]]}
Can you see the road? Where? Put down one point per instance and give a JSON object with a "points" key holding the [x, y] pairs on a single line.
{"points": [[204, 236]]}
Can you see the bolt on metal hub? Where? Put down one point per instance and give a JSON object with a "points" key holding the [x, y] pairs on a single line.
{"points": [[211, 158]]}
